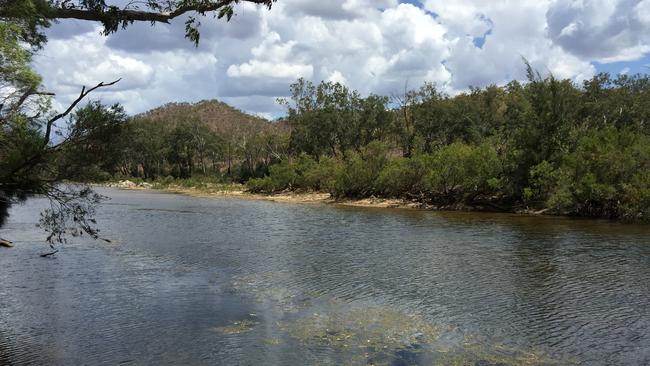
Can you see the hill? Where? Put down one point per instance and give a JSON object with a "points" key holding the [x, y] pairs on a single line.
{"points": [[220, 117]]}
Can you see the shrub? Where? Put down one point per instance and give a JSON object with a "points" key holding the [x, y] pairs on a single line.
{"points": [[281, 177], [461, 172], [357, 177], [404, 177], [606, 175], [322, 176], [543, 179]]}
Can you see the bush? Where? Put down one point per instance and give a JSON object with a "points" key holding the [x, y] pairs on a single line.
{"points": [[543, 180], [404, 177], [260, 185], [303, 174], [322, 176], [460, 172], [607, 175], [357, 177], [281, 177]]}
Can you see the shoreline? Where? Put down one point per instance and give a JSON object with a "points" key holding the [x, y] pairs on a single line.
{"points": [[238, 192]]}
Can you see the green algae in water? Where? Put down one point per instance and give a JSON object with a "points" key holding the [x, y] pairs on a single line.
{"points": [[272, 341], [374, 334], [372, 330]]}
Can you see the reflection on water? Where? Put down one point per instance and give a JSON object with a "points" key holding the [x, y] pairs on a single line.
{"points": [[220, 281]]}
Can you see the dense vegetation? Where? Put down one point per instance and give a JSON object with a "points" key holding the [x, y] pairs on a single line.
{"points": [[546, 144]]}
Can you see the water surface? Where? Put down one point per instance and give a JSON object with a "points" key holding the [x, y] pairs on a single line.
{"points": [[230, 281]]}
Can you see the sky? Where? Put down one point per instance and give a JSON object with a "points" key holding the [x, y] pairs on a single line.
{"points": [[373, 46]]}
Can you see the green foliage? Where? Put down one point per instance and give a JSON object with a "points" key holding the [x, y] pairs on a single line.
{"points": [[27, 19], [460, 172], [329, 119], [358, 175], [606, 176], [304, 174], [14, 61], [543, 179], [92, 147], [282, 176], [405, 177], [502, 144]]}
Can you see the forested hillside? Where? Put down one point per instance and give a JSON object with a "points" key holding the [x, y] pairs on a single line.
{"points": [[546, 144], [182, 140]]}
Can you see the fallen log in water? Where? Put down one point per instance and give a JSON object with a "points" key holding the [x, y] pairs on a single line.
{"points": [[6, 243]]}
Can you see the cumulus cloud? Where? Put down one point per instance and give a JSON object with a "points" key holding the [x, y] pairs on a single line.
{"points": [[146, 80], [83, 60], [374, 46], [509, 31], [265, 69], [602, 30]]}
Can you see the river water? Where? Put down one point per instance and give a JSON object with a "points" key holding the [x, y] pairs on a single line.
{"points": [[197, 281]]}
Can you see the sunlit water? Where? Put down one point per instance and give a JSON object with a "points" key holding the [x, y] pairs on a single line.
{"points": [[236, 282]]}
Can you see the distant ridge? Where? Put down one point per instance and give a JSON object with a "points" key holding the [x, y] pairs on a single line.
{"points": [[218, 116]]}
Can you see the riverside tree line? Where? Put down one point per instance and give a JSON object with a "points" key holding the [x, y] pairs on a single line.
{"points": [[546, 144]]}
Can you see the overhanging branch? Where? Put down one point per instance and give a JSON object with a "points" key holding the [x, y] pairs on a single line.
{"points": [[134, 15]]}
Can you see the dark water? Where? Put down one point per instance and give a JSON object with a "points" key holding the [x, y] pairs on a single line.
{"points": [[235, 282]]}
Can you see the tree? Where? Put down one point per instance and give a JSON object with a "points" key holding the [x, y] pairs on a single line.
{"points": [[28, 151], [91, 149], [330, 119], [38, 13]]}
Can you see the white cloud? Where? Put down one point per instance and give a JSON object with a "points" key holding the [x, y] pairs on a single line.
{"points": [[337, 77], [84, 60], [266, 69], [511, 30], [374, 46], [601, 30], [146, 79], [642, 10]]}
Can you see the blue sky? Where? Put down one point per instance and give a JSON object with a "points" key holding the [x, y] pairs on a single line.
{"points": [[374, 46], [641, 66]]}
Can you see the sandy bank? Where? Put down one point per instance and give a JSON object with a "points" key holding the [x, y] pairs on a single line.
{"points": [[238, 191]]}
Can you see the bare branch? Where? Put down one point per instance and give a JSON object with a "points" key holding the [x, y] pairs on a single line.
{"points": [[82, 95]]}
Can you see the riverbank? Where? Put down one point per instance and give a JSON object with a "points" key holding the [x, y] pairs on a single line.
{"points": [[234, 190], [239, 191]]}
